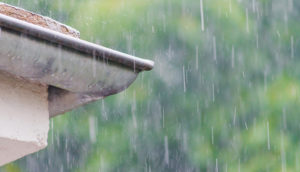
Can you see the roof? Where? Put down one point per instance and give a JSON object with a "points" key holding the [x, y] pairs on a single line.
{"points": [[75, 44], [76, 71], [36, 19]]}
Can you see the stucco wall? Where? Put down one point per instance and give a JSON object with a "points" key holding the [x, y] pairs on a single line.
{"points": [[24, 118]]}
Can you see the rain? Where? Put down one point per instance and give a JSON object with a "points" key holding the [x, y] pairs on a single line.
{"points": [[223, 94]]}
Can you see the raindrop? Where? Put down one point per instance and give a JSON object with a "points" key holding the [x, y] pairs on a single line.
{"points": [[163, 117], [212, 135], [268, 133], [257, 40], [215, 48], [213, 92], [202, 15], [292, 46], [284, 118], [253, 5], [52, 131], [134, 120], [166, 151], [234, 116], [103, 112], [184, 79], [217, 168], [92, 128], [247, 20], [297, 162], [197, 57], [164, 23], [169, 53], [239, 165], [232, 56], [278, 34], [185, 147], [283, 159], [254, 125], [198, 108], [133, 111], [265, 80]]}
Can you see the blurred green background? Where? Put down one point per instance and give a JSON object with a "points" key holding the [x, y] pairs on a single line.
{"points": [[224, 94]]}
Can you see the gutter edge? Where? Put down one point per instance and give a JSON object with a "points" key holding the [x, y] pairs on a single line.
{"points": [[77, 44]]}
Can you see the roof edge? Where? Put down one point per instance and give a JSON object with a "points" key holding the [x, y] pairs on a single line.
{"points": [[77, 44]]}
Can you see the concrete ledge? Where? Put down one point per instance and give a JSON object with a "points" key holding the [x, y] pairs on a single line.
{"points": [[24, 118]]}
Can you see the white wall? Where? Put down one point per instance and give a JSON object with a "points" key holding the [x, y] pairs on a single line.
{"points": [[24, 118]]}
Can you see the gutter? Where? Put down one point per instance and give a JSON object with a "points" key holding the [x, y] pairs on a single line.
{"points": [[76, 71]]}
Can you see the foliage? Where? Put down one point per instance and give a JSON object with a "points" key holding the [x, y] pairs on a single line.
{"points": [[222, 98]]}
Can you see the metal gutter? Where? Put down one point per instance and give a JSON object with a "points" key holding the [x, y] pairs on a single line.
{"points": [[75, 43], [76, 71]]}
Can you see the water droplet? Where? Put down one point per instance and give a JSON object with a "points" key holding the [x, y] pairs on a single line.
{"points": [[202, 15], [166, 159]]}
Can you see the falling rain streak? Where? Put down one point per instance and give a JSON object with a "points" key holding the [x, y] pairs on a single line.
{"points": [[282, 152], [247, 20], [166, 159], [232, 57], [217, 166], [202, 15], [215, 48], [163, 118], [234, 116], [284, 118], [92, 128], [222, 95], [253, 5], [212, 135], [268, 134], [197, 57], [213, 92], [184, 79], [292, 46], [257, 46]]}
